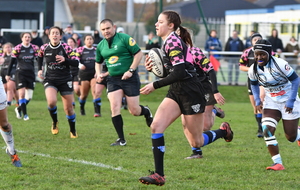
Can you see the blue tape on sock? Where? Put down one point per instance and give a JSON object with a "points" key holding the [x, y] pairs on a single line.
{"points": [[71, 116], [157, 135], [51, 109]]}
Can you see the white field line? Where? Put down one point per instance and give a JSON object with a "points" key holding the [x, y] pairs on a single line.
{"points": [[119, 168]]}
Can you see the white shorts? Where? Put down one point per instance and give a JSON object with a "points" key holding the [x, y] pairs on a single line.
{"points": [[270, 104]]}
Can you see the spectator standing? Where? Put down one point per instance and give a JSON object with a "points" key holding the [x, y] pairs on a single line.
{"points": [[152, 41], [36, 40], [234, 43], [45, 37], [293, 47], [213, 44], [120, 30], [276, 42], [248, 43], [68, 32], [97, 38]]}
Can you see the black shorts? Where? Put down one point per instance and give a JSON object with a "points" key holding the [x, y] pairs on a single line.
{"points": [[103, 82], [75, 78], [209, 95], [189, 95], [64, 87], [25, 79], [86, 75], [3, 74], [130, 87], [74, 73]]}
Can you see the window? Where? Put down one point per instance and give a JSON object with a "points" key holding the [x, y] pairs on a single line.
{"points": [[255, 27], [24, 24]]}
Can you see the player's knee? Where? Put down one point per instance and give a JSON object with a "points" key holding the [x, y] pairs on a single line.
{"points": [[136, 111], [5, 127], [269, 137], [291, 138], [207, 127], [266, 123], [28, 94], [196, 143]]}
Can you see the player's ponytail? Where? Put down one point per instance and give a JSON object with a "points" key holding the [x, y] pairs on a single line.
{"points": [[185, 36]]}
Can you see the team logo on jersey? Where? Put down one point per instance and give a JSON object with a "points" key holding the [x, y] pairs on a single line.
{"points": [[174, 53], [72, 53], [196, 108], [132, 42], [113, 59], [205, 61], [287, 67], [31, 50]]}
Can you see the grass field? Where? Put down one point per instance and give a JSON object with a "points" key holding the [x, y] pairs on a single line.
{"points": [[89, 162]]}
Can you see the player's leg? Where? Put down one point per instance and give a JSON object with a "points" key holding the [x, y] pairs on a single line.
{"points": [[76, 87], [269, 124], [209, 117], [11, 88], [51, 97], [84, 92], [22, 103], [67, 97], [131, 90], [290, 123], [167, 112], [115, 99], [193, 132], [6, 130], [97, 99], [257, 115]]}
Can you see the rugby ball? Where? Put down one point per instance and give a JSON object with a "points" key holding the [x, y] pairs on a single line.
{"points": [[157, 58]]}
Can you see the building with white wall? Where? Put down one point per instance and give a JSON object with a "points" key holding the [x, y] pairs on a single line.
{"points": [[285, 18]]}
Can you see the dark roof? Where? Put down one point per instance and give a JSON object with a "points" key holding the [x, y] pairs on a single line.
{"points": [[217, 8], [281, 2], [33, 6]]}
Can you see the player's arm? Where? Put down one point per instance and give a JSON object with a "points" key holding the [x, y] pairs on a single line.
{"points": [[12, 62], [98, 68], [294, 79], [136, 60]]}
